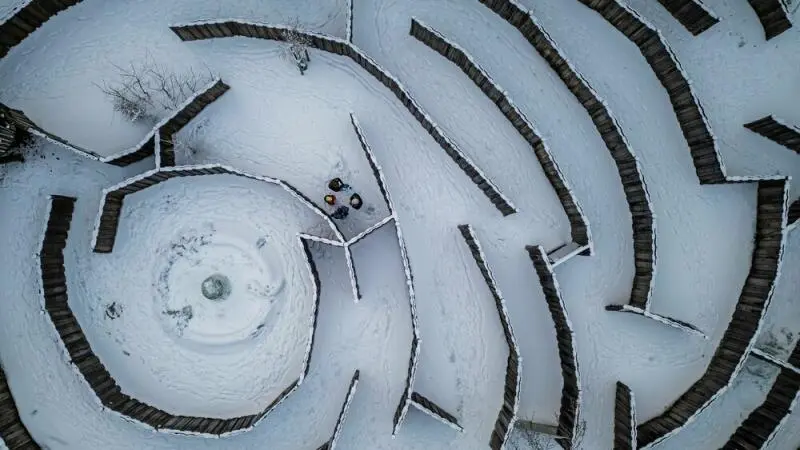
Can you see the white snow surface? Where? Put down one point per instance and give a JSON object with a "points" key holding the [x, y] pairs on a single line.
{"points": [[274, 122]]}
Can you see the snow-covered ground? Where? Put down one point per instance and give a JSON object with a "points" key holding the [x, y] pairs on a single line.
{"points": [[233, 357]]}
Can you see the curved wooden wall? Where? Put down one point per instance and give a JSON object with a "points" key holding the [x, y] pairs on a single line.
{"points": [[508, 411], [12, 431], [27, 19], [760, 426], [774, 16], [742, 330], [644, 237], [578, 224], [92, 369], [569, 414], [692, 14], [209, 30]]}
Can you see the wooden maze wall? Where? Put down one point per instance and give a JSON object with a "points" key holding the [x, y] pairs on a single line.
{"points": [[578, 223], [773, 15], [624, 419], [692, 14], [163, 131], [92, 369], [568, 416], [636, 194], [27, 19], [508, 411], [210, 30], [740, 335], [688, 111], [760, 426], [12, 431]]}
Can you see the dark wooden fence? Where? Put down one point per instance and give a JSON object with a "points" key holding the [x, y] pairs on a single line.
{"points": [[407, 398], [689, 112], [349, 30], [774, 16], [168, 127], [775, 130], [427, 406], [569, 414], [105, 232], [433, 39], [692, 14], [740, 335], [337, 429], [163, 131], [760, 426], [508, 411], [644, 237], [12, 430], [27, 19], [794, 212], [624, 419], [81, 355], [209, 30], [8, 132]]}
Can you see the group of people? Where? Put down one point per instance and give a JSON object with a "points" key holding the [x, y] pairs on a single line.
{"points": [[342, 211]]}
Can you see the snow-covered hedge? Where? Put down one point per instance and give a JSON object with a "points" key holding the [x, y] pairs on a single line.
{"points": [[508, 412], [349, 30], [337, 429], [161, 132], [228, 28], [569, 414], [760, 426], [636, 194], [12, 431], [578, 223], [688, 110], [692, 14], [26, 19], [774, 16], [624, 419], [743, 329], [430, 408], [794, 213], [777, 130]]}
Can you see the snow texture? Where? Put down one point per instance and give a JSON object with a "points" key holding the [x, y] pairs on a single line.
{"points": [[274, 122]]}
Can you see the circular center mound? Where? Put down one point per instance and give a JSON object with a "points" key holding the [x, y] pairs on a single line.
{"points": [[219, 284], [205, 305]]}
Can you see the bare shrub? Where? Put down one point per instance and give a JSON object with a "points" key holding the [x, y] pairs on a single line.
{"points": [[148, 90], [297, 43]]}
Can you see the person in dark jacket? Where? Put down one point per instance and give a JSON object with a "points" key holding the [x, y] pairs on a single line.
{"points": [[341, 212]]}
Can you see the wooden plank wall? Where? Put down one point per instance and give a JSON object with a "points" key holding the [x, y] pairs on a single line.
{"points": [[644, 237], [741, 332], [12, 430], [773, 15], [337, 429], [429, 407], [568, 416], [775, 130], [30, 17], [691, 14], [89, 365], [209, 30], [433, 39], [508, 411], [760, 426], [183, 116], [688, 111], [8, 132], [624, 419]]}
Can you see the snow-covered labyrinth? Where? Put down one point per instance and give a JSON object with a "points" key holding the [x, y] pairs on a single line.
{"points": [[579, 224]]}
